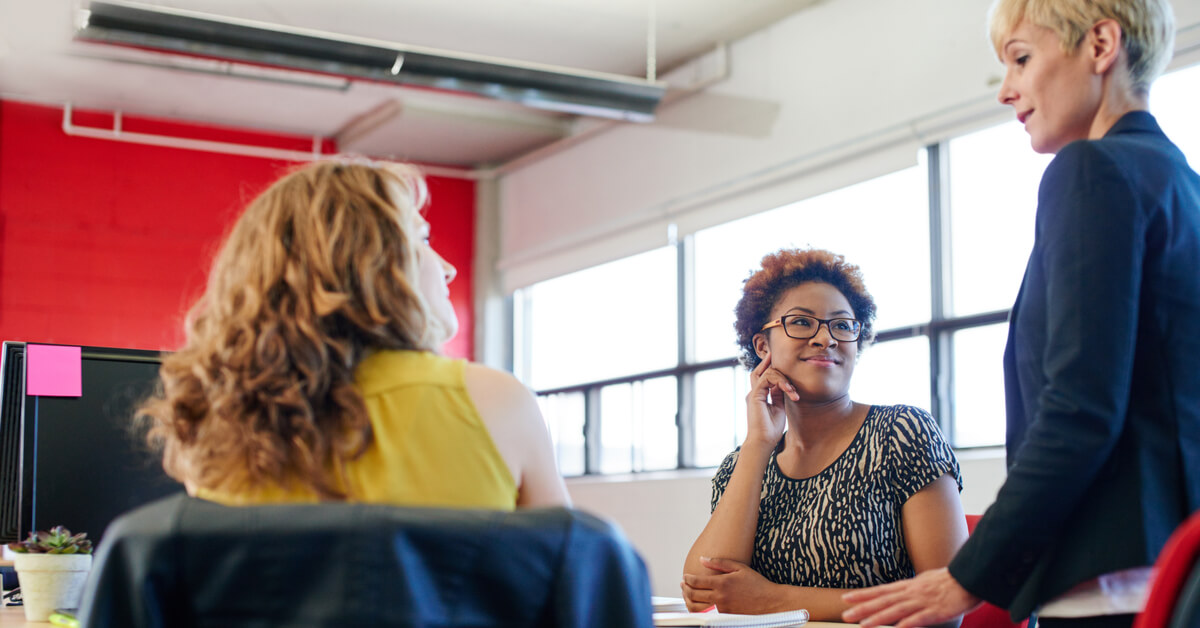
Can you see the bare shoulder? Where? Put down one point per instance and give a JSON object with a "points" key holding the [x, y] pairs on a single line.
{"points": [[511, 414], [507, 407], [496, 392]]}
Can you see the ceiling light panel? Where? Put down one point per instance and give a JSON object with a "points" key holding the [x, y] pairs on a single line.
{"points": [[533, 85]]}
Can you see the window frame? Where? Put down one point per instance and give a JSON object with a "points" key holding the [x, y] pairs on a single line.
{"points": [[939, 331]]}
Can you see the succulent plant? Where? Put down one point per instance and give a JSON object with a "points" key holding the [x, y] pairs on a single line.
{"points": [[58, 540]]}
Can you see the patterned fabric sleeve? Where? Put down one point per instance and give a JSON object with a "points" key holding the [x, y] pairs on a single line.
{"points": [[721, 478], [919, 453]]}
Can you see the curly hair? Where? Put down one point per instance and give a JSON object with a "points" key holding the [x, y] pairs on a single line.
{"points": [[785, 269], [318, 271]]}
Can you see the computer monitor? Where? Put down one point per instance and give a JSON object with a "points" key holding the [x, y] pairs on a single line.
{"points": [[76, 461]]}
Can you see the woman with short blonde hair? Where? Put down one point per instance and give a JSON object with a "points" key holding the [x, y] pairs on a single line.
{"points": [[1102, 366]]}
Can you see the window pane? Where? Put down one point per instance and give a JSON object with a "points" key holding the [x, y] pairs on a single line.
{"points": [[607, 321], [637, 426], [1174, 101], [893, 372], [882, 225], [994, 177], [979, 386], [720, 413], [564, 416]]}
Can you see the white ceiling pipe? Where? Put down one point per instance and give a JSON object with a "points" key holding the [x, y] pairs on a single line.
{"points": [[118, 134]]}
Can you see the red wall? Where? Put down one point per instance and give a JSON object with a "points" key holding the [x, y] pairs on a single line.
{"points": [[451, 216], [107, 243]]}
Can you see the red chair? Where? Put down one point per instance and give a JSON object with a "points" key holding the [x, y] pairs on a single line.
{"points": [[1176, 566], [988, 615]]}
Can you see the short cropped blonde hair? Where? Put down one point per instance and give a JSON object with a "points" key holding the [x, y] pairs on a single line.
{"points": [[1147, 28]]}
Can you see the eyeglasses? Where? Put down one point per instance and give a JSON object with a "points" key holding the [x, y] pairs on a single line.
{"points": [[803, 327]]}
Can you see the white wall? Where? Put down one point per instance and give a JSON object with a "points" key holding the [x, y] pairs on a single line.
{"points": [[662, 514], [835, 73], [832, 83]]}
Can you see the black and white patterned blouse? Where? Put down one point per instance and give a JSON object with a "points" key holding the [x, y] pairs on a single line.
{"points": [[841, 528]]}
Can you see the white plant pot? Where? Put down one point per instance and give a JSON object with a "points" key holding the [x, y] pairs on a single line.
{"points": [[51, 581]]}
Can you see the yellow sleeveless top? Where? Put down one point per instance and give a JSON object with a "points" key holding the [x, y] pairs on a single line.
{"points": [[431, 448]]}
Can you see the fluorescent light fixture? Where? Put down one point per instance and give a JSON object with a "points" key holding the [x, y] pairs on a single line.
{"points": [[533, 85]]}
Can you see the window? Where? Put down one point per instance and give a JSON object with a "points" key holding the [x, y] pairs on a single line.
{"points": [[1174, 100], [632, 378], [603, 322], [993, 181], [846, 221], [979, 386], [720, 413], [598, 325], [564, 414], [896, 371], [603, 344], [637, 426]]}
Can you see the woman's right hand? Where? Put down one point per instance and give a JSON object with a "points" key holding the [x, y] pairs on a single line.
{"points": [[765, 404]]}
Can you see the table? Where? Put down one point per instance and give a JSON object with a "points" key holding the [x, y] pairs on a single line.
{"points": [[14, 617]]}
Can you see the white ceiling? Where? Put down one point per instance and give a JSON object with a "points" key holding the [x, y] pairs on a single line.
{"points": [[40, 62]]}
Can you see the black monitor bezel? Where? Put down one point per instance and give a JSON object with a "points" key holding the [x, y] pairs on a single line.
{"points": [[26, 467]]}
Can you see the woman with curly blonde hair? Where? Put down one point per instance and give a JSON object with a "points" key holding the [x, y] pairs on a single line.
{"points": [[310, 370], [825, 494]]}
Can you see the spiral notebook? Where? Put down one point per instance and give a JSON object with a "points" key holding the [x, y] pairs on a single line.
{"points": [[784, 619], [672, 604]]}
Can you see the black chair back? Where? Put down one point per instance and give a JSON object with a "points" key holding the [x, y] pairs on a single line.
{"points": [[183, 562]]}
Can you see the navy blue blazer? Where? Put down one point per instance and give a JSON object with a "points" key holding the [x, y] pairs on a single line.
{"points": [[1101, 374]]}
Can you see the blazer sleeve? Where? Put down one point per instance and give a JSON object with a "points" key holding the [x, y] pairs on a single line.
{"points": [[1091, 241]]}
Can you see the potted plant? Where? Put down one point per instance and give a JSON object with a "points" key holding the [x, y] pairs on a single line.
{"points": [[52, 568]]}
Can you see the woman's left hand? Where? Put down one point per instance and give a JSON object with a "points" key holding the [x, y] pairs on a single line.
{"points": [[735, 589]]}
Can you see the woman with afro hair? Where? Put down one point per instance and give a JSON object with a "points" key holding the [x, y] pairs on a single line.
{"points": [[825, 494]]}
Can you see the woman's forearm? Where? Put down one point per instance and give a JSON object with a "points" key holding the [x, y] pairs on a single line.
{"points": [[823, 604], [731, 529]]}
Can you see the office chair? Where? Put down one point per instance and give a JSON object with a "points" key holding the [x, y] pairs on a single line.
{"points": [[988, 615], [1174, 598], [183, 561]]}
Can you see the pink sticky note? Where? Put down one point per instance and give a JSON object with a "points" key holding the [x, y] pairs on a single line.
{"points": [[53, 371]]}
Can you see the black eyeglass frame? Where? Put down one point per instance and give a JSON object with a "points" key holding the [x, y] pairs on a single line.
{"points": [[827, 322]]}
